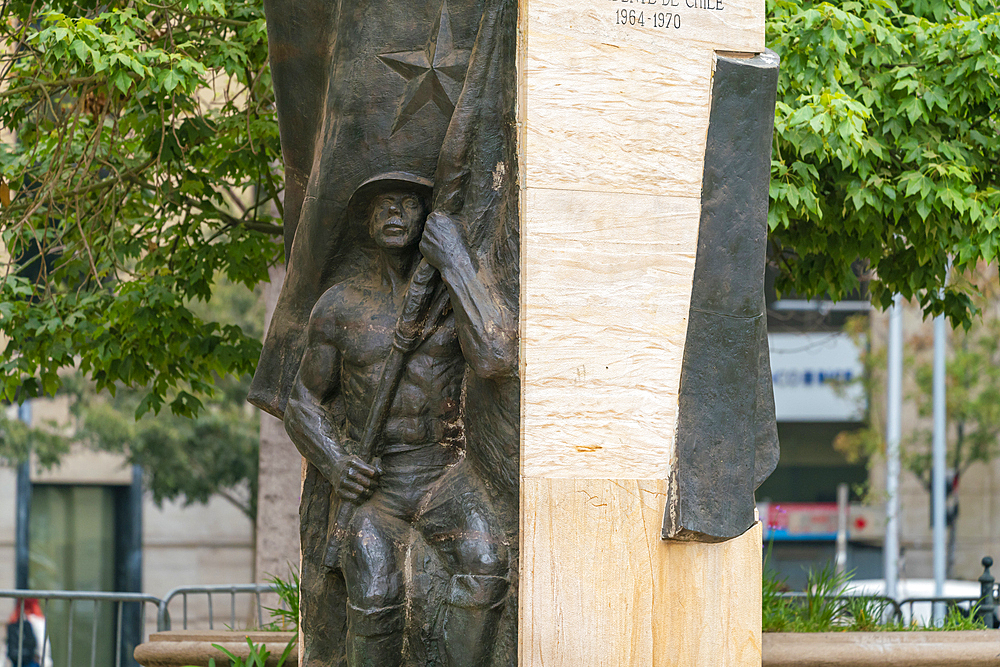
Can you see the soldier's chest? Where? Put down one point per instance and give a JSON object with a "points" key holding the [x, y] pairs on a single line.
{"points": [[366, 339]]}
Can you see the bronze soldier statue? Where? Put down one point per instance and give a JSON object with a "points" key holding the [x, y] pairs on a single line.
{"points": [[425, 91], [420, 478]]}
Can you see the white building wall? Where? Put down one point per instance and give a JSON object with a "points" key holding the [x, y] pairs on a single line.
{"points": [[8, 517], [199, 545]]}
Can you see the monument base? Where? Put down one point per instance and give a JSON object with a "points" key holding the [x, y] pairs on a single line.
{"points": [[599, 586]]}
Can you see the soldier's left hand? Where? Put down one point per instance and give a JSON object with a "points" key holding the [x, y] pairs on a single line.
{"points": [[442, 242]]}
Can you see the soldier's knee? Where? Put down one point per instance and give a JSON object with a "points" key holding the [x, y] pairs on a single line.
{"points": [[476, 591], [375, 621], [373, 587], [374, 579], [482, 558], [388, 592], [365, 521]]}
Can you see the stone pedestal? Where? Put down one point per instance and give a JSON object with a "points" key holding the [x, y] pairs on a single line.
{"points": [[614, 105], [279, 482]]}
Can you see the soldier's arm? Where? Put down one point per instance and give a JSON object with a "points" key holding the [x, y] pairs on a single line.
{"points": [[308, 416], [487, 328]]}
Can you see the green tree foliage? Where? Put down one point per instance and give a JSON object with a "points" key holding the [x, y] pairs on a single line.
{"points": [[886, 146], [183, 458], [189, 458], [142, 126], [18, 441], [142, 172]]}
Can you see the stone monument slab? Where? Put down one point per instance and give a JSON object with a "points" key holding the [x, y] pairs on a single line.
{"points": [[520, 340]]}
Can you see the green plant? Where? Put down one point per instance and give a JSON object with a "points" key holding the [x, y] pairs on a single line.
{"points": [[285, 616], [819, 609], [824, 608], [957, 620], [777, 609], [866, 614], [258, 655]]}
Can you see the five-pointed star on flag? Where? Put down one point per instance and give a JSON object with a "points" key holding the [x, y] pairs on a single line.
{"points": [[433, 74]]}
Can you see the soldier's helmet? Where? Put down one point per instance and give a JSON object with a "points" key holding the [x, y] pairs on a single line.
{"points": [[399, 181]]}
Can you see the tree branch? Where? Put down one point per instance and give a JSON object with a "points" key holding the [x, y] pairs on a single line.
{"points": [[243, 506], [72, 81]]}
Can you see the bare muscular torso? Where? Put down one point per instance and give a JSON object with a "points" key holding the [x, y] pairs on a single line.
{"points": [[363, 314], [349, 336]]}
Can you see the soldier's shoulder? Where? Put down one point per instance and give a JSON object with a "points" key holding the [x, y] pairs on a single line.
{"points": [[342, 297]]}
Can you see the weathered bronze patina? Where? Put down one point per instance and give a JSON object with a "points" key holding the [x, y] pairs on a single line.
{"points": [[376, 408], [727, 439], [397, 133]]}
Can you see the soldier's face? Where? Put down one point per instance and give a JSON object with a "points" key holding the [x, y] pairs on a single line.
{"points": [[397, 219]]}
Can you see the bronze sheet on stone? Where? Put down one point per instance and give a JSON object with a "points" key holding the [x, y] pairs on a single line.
{"points": [[727, 440]]}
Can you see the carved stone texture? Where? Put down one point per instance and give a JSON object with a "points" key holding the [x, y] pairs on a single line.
{"points": [[727, 442], [392, 353]]}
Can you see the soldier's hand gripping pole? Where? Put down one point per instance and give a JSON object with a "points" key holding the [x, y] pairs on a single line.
{"points": [[409, 328]]}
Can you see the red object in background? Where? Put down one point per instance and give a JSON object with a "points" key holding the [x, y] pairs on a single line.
{"points": [[31, 608], [799, 521], [818, 521]]}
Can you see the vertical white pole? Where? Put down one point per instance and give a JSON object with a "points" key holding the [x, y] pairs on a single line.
{"points": [[893, 432], [840, 562], [938, 455]]}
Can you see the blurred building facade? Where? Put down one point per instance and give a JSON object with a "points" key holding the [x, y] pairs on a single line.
{"points": [[977, 495], [815, 368], [87, 525]]}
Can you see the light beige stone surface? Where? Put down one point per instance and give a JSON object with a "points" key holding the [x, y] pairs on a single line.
{"points": [[607, 281], [198, 545], [614, 120], [970, 648], [624, 108], [215, 523], [7, 560], [196, 648], [8, 503], [278, 501], [51, 412], [8, 516], [169, 567], [599, 586], [83, 466], [279, 482]]}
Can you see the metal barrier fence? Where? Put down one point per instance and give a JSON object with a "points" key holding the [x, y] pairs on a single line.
{"points": [[163, 613], [985, 607], [116, 630], [966, 605], [127, 625]]}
